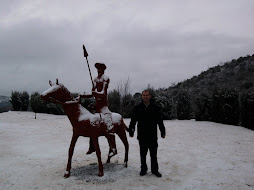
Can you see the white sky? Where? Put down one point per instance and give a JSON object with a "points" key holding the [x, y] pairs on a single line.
{"points": [[151, 42]]}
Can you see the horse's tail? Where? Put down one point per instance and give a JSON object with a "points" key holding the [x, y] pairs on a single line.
{"points": [[126, 128]]}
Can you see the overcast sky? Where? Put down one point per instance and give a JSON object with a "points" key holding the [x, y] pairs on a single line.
{"points": [[154, 42]]}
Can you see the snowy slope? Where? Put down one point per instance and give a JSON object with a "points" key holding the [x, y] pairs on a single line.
{"points": [[194, 155]]}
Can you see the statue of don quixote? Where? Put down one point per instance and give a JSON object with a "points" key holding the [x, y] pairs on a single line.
{"points": [[101, 123]]}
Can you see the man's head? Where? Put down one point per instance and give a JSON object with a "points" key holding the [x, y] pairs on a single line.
{"points": [[101, 67], [146, 96]]}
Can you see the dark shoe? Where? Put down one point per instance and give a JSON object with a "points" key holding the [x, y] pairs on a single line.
{"points": [[158, 174], [90, 151], [142, 173]]}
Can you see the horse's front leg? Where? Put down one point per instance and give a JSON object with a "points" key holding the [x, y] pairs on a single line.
{"points": [[71, 150], [98, 153]]}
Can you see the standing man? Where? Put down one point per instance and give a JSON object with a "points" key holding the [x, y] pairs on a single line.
{"points": [[148, 116], [100, 92]]}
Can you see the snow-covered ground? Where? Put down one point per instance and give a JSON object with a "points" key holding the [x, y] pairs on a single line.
{"points": [[194, 155]]}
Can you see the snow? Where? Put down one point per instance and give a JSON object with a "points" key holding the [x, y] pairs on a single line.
{"points": [[116, 118], [101, 79], [194, 155], [71, 102], [107, 116], [51, 89], [86, 115]]}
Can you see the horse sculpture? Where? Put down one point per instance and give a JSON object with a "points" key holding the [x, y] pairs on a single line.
{"points": [[85, 123]]}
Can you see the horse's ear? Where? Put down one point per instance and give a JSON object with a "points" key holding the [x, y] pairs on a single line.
{"points": [[57, 81], [50, 83]]}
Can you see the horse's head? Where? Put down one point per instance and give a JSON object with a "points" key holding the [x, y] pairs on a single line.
{"points": [[58, 92]]}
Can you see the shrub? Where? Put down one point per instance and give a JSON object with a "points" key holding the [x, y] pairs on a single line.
{"points": [[225, 107], [247, 110]]}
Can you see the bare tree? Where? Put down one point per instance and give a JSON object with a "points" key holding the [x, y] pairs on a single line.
{"points": [[123, 86]]}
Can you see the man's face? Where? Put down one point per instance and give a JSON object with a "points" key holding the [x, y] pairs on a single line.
{"points": [[100, 71], [146, 97]]}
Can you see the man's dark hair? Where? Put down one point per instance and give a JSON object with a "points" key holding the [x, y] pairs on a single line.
{"points": [[146, 90]]}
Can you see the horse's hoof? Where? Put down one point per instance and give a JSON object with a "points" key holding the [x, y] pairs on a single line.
{"points": [[67, 174], [90, 151], [100, 174], [125, 164]]}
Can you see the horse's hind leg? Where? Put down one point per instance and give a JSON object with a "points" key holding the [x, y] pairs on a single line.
{"points": [[123, 137], [71, 150], [98, 153]]}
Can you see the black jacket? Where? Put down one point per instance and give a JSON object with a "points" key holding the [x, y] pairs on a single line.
{"points": [[148, 118]]}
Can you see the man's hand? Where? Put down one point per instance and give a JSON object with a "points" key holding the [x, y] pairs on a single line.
{"points": [[131, 135], [163, 136]]}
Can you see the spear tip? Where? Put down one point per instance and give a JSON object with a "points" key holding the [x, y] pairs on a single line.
{"points": [[85, 52]]}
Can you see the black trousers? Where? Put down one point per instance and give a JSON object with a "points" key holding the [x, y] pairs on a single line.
{"points": [[152, 147]]}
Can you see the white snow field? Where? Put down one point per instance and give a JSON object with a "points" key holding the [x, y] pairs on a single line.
{"points": [[194, 155]]}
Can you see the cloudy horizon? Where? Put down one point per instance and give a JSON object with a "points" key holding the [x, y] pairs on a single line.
{"points": [[151, 42]]}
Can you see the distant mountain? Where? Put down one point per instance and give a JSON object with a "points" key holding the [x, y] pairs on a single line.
{"points": [[5, 104]]}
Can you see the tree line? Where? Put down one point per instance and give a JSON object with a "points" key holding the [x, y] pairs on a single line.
{"points": [[210, 96], [223, 106]]}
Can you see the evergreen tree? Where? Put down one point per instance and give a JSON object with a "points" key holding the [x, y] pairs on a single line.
{"points": [[37, 104], [183, 106], [127, 105], [137, 98], [231, 107], [225, 107], [165, 104], [114, 101], [203, 108], [16, 100], [24, 96], [217, 107]]}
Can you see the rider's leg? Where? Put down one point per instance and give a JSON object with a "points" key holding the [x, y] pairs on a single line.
{"points": [[110, 134], [112, 144]]}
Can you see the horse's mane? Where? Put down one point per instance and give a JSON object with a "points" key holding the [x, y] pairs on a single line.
{"points": [[66, 91]]}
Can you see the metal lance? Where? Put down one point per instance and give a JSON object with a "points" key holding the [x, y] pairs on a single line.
{"points": [[86, 55]]}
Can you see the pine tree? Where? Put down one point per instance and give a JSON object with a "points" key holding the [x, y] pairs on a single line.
{"points": [[24, 101], [16, 100]]}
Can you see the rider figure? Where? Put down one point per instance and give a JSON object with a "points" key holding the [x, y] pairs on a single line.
{"points": [[99, 91]]}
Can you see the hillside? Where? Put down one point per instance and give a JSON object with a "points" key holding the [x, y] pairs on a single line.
{"points": [[223, 94], [236, 74], [5, 104]]}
